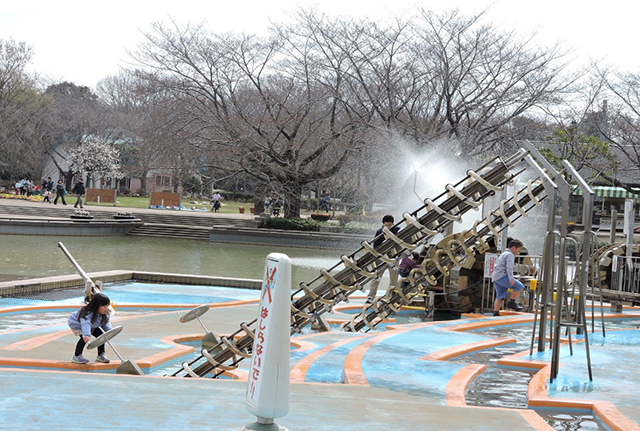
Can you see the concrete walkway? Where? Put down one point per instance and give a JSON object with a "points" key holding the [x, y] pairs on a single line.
{"points": [[60, 210]]}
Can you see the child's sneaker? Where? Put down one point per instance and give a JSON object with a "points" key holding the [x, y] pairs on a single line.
{"points": [[79, 360], [102, 358]]}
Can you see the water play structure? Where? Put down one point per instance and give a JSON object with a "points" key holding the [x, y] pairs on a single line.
{"points": [[462, 250]]}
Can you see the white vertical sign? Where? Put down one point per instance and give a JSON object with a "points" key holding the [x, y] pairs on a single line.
{"points": [[490, 260], [268, 385]]}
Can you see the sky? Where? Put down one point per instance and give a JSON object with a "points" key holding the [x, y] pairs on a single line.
{"points": [[83, 42]]}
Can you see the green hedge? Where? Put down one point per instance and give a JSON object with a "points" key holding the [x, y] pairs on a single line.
{"points": [[236, 196], [359, 218], [305, 224], [361, 228]]}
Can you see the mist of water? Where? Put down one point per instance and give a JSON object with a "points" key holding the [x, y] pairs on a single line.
{"points": [[408, 174]]}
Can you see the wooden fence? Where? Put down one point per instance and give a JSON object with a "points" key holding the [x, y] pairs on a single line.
{"points": [[101, 196], [164, 199]]}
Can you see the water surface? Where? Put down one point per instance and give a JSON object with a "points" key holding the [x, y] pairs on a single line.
{"points": [[23, 257]]}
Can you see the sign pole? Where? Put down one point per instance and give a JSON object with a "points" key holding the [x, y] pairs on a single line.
{"points": [[267, 394]]}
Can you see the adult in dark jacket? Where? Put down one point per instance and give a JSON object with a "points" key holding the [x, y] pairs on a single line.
{"points": [[59, 193], [79, 190], [387, 221]]}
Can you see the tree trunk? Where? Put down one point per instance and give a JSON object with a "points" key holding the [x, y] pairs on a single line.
{"points": [[68, 176], [292, 198], [258, 197], [143, 183]]}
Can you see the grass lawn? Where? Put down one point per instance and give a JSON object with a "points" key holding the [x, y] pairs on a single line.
{"points": [[142, 202], [228, 207]]}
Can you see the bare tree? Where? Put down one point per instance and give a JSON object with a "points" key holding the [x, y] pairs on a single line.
{"points": [[255, 104], [75, 114], [22, 108], [482, 77], [289, 108], [143, 116], [622, 129]]}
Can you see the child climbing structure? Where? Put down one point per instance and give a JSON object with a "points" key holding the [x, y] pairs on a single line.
{"points": [[355, 270]]}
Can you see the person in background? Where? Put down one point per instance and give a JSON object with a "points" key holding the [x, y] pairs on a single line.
{"points": [[23, 186], [48, 184], [215, 201], [275, 209], [91, 319], [387, 221], [503, 278], [79, 190], [407, 264], [60, 191], [47, 187], [27, 188]]}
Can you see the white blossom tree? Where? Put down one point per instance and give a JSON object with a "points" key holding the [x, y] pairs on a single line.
{"points": [[97, 157]]}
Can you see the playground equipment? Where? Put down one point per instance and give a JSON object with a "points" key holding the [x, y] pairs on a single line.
{"points": [[460, 250], [126, 366], [357, 269], [210, 339], [91, 288]]}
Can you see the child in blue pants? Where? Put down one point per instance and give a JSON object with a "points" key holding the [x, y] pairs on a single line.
{"points": [[503, 279]]}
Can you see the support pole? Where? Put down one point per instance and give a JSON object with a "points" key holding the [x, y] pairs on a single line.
{"points": [[90, 286]]}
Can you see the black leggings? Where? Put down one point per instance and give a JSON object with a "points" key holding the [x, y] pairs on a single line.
{"points": [[80, 346], [59, 196]]}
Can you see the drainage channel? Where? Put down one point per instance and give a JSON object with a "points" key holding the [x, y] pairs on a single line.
{"points": [[504, 388]]}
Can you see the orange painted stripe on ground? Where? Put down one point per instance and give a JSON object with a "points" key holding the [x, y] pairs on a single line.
{"points": [[613, 418], [232, 303], [299, 370], [301, 345], [517, 363], [457, 385], [491, 322], [27, 308], [456, 389], [32, 343], [39, 307], [353, 373], [452, 352], [605, 410], [175, 352], [133, 306], [45, 363], [535, 420]]}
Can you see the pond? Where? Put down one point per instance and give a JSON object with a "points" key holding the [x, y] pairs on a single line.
{"points": [[25, 257]]}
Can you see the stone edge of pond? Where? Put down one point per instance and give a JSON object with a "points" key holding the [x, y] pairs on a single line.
{"points": [[34, 285]]}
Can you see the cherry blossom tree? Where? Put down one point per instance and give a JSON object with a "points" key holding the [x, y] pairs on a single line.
{"points": [[98, 158]]}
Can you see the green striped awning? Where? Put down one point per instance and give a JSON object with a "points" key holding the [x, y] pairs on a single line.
{"points": [[607, 192]]}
